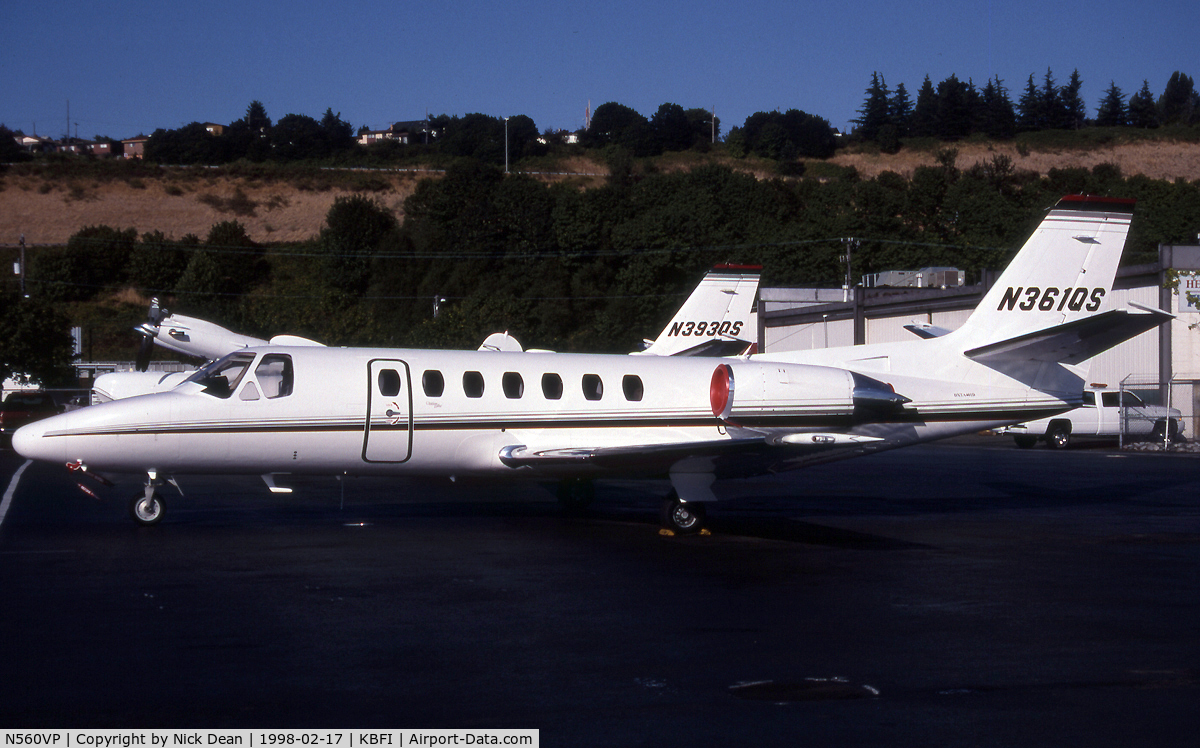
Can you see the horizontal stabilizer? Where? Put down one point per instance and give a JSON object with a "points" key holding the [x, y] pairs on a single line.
{"points": [[1073, 342], [926, 330]]}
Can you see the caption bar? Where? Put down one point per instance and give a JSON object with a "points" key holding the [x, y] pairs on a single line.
{"points": [[266, 738]]}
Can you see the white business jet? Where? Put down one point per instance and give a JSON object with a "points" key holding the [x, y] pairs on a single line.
{"points": [[274, 410]]}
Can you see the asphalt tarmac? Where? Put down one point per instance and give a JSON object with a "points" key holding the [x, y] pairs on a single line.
{"points": [[966, 594]]}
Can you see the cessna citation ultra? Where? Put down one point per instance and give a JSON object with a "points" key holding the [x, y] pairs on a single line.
{"points": [[274, 410]]}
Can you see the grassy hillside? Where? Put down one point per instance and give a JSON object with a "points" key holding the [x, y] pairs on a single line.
{"points": [[277, 204]]}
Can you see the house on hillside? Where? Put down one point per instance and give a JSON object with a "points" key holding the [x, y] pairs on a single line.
{"points": [[105, 148], [36, 144], [400, 132], [370, 137], [76, 146], [212, 128], [135, 147]]}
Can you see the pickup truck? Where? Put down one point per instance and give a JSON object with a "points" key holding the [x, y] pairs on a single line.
{"points": [[1101, 415]]}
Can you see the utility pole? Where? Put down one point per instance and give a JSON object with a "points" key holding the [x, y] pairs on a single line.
{"points": [[851, 244], [23, 296]]}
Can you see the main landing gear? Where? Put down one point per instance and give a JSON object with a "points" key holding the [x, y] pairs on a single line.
{"points": [[679, 517]]}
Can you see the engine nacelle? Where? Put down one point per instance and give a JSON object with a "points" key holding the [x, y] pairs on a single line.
{"points": [[749, 391]]}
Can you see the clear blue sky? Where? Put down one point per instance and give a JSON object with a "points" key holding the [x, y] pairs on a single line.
{"points": [[131, 66]]}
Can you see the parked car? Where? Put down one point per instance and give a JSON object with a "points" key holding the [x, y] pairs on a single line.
{"points": [[22, 407], [1104, 413]]}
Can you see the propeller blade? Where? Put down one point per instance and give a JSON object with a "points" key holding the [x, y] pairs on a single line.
{"points": [[144, 351]]}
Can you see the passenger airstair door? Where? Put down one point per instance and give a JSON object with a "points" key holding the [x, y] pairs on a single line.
{"points": [[388, 434]]}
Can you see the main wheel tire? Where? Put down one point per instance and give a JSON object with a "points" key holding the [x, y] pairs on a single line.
{"points": [[1058, 437], [682, 517], [1170, 429], [1024, 441], [147, 511]]}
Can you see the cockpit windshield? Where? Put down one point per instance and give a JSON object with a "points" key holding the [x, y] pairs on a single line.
{"points": [[221, 377]]}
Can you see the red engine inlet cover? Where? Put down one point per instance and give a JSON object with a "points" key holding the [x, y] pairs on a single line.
{"points": [[720, 391]]}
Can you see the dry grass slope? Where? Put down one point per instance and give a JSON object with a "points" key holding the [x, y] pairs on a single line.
{"points": [[49, 212]]}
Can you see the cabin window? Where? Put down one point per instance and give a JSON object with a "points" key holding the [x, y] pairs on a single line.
{"points": [[274, 375], [433, 383], [1089, 399], [593, 388], [631, 385], [473, 384], [514, 386], [389, 382], [221, 377], [552, 386]]}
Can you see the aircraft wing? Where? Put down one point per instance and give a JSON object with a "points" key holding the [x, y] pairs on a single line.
{"points": [[1073, 342], [647, 457]]}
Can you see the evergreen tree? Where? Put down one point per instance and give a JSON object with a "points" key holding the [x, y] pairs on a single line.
{"points": [[1072, 101], [1054, 110], [925, 113], [1142, 111], [999, 117], [1029, 108], [1112, 111], [1176, 105], [900, 110], [876, 110], [954, 109], [256, 117]]}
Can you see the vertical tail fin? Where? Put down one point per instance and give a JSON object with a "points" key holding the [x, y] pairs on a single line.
{"points": [[718, 319], [1063, 274]]}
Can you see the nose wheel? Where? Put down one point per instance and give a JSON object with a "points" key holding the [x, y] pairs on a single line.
{"points": [[147, 508]]}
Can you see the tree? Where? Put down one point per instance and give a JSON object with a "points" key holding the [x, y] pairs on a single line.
{"points": [[616, 124], [900, 110], [339, 134], [876, 109], [999, 120], [296, 137], [704, 126], [672, 131], [1054, 110], [256, 117], [94, 259], [355, 227], [228, 265], [1030, 108], [1177, 105], [1075, 110], [925, 113], [1112, 111], [10, 152], [35, 341], [157, 262], [954, 115], [1142, 111]]}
